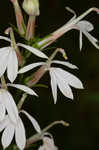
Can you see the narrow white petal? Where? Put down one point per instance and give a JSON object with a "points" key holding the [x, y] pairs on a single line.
{"points": [[20, 136], [93, 40], [23, 88], [7, 136], [4, 123], [33, 50], [5, 38], [29, 67], [53, 85], [33, 121], [65, 64], [80, 40], [63, 86], [2, 111], [69, 78], [85, 25], [10, 106], [12, 67], [4, 54]]}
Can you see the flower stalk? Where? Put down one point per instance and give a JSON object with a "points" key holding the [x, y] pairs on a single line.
{"points": [[19, 105], [3, 82]]}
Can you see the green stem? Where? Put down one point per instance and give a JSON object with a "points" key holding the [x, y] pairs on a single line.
{"points": [[19, 106], [3, 82]]}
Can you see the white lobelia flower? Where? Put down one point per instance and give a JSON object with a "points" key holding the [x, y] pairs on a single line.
{"points": [[48, 142], [59, 78], [84, 27], [7, 102], [17, 129], [9, 60]]}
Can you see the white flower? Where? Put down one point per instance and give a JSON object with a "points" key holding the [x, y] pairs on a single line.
{"points": [[63, 80], [7, 102], [59, 78], [10, 129], [85, 27], [48, 142], [9, 60], [17, 129]]}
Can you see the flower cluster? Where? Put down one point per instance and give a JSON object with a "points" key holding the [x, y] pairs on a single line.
{"points": [[11, 59]]}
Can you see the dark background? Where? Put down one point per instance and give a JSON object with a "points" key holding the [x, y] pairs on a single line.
{"points": [[83, 112]]}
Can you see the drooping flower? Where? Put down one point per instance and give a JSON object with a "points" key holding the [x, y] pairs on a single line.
{"points": [[9, 60], [17, 129], [7, 102], [48, 142], [59, 78]]}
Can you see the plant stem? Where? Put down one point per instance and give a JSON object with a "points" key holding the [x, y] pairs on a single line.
{"points": [[3, 82], [19, 106]]}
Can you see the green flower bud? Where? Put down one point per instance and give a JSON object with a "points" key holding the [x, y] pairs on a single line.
{"points": [[31, 7]]}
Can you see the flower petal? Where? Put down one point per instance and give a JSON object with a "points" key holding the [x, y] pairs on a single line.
{"points": [[33, 50], [23, 88], [12, 67], [53, 85], [69, 78], [85, 25], [65, 64], [33, 121], [20, 136], [80, 40], [7, 136], [5, 38], [4, 123], [63, 86], [10, 106], [2, 112], [93, 40], [31, 66]]}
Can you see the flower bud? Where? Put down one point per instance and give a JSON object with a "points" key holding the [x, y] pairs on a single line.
{"points": [[31, 7]]}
